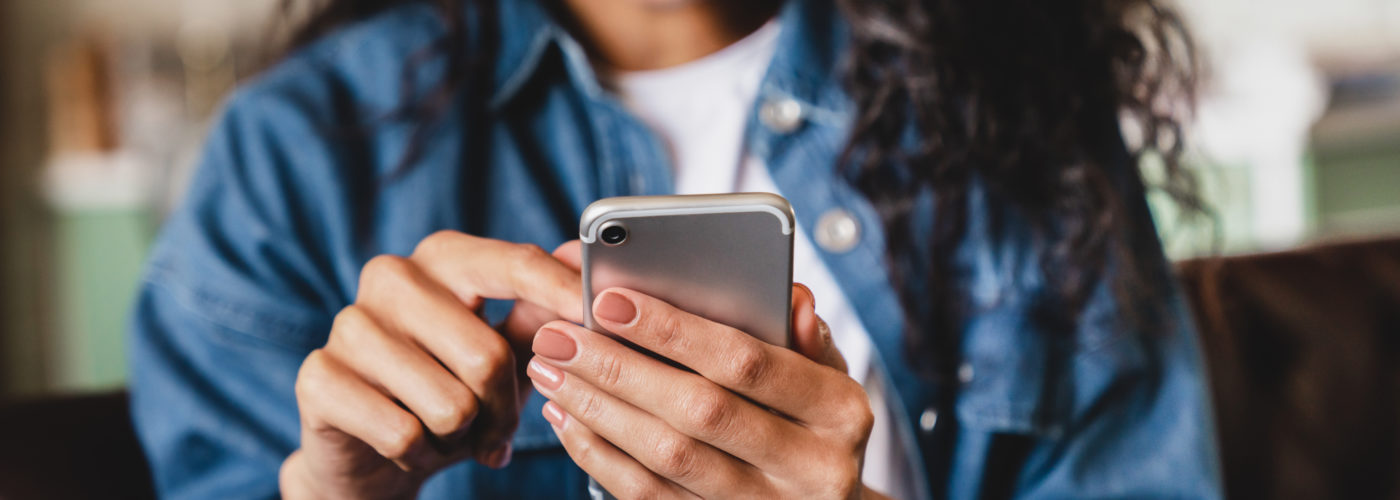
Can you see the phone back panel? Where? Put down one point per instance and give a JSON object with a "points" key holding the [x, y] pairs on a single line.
{"points": [[727, 258]]}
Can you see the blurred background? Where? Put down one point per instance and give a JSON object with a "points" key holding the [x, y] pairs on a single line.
{"points": [[104, 104]]}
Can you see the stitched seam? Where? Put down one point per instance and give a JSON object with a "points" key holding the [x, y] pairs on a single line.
{"points": [[235, 317]]}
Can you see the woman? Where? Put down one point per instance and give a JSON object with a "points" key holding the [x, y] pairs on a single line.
{"points": [[353, 301]]}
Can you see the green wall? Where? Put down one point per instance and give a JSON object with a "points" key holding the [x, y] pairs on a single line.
{"points": [[100, 254]]}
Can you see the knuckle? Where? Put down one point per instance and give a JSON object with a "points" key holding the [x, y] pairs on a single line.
{"points": [[528, 252], [382, 270], [857, 417], [400, 435], [353, 331], [642, 486], [437, 243], [584, 451], [525, 259], [863, 422], [666, 329], [353, 322], [610, 370], [311, 377], [590, 407], [749, 365], [676, 457], [496, 352], [386, 265], [352, 316], [453, 413], [491, 359], [708, 411]]}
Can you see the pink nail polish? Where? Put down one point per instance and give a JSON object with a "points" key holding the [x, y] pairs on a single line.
{"points": [[616, 308], [554, 415], [549, 377], [554, 344]]}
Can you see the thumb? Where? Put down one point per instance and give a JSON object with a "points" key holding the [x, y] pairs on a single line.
{"points": [[810, 335]]}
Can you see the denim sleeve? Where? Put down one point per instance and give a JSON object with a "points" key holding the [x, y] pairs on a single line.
{"points": [[235, 294]]}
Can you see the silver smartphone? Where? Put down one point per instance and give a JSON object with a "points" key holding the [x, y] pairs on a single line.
{"points": [[724, 257]]}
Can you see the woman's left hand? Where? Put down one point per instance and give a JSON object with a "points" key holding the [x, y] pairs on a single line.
{"points": [[753, 420]]}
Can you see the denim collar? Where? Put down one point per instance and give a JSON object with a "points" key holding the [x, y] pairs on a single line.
{"points": [[805, 66]]}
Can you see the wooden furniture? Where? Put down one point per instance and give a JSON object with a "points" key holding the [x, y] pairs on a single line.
{"points": [[1303, 349]]}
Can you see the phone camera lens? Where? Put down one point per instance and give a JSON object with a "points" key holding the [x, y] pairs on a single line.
{"points": [[614, 234]]}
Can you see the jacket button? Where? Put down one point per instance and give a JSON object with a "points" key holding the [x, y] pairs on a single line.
{"points": [[781, 115], [837, 231], [965, 373], [928, 420]]}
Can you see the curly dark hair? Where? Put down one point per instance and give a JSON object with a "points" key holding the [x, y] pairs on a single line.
{"points": [[1022, 98]]}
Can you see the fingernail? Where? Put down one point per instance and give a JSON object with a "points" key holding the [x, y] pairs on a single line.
{"points": [[812, 298], [614, 307], [501, 457], [547, 376], [553, 414], [554, 345]]}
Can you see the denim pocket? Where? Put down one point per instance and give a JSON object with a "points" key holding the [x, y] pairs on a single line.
{"points": [[1013, 375]]}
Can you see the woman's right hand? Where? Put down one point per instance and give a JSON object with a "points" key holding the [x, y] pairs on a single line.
{"points": [[412, 379]]}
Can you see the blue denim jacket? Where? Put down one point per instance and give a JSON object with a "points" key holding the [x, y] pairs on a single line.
{"points": [[299, 186]]}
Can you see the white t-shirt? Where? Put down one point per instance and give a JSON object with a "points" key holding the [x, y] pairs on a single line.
{"points": [[699, 109]]}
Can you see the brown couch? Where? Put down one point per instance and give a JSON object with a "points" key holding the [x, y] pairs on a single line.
{"points": [[1303, 349], [71, 447]]}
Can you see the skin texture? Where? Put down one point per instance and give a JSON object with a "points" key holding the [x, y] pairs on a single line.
{"points": [[413, 337], [752, 421], [652, 34]]}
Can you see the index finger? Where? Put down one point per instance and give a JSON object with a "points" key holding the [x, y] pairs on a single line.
{"points": [[525, 318], [772, 376], [476, 268]]}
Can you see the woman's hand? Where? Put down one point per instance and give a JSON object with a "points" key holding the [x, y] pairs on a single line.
{"points": [[412, 379], [753, 420]]}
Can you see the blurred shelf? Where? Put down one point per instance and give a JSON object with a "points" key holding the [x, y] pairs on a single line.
{"points": [[1356, 147]]}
